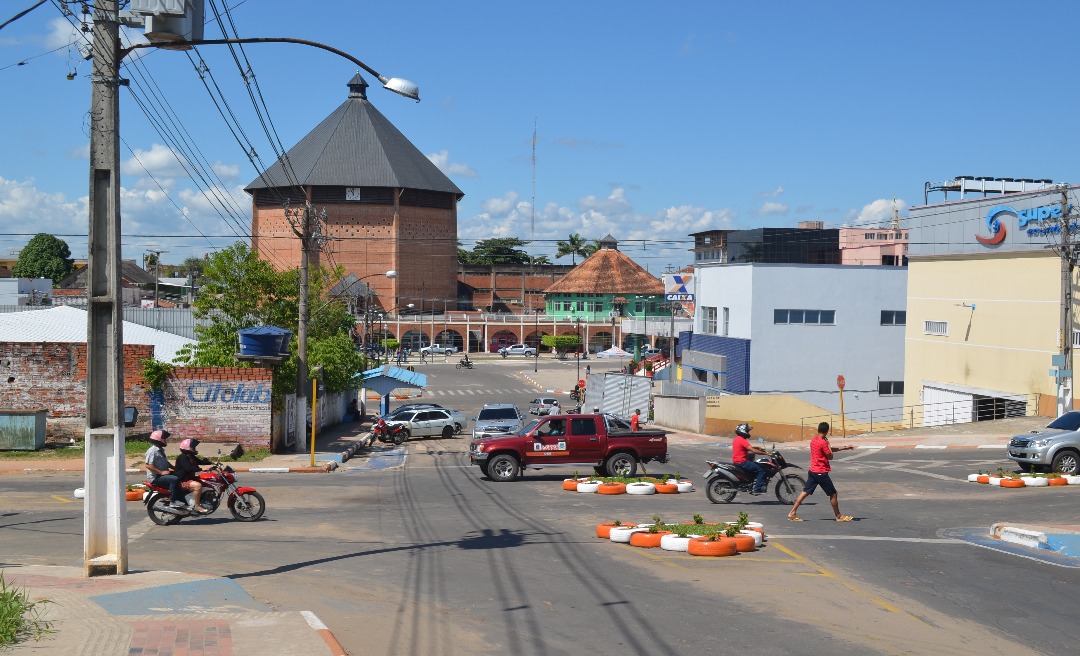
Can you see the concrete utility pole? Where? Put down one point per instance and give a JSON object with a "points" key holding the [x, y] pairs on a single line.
{"points": [[157, 272], [307, 225], [104, 512], [1068, 263]]}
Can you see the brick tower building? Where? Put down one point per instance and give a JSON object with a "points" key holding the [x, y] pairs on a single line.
{"points": [[387, 207]]}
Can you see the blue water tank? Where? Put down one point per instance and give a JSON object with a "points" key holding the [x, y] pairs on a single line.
{"points": [[263, 341]]}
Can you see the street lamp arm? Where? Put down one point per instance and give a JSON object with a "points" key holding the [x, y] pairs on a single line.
{"points": [[396, 84]]}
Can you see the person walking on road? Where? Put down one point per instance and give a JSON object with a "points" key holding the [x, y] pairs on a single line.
{"points": [[821, 452]]}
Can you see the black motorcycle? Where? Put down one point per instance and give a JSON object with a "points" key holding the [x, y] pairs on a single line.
{"points": [[465, 362], [724, 480]]}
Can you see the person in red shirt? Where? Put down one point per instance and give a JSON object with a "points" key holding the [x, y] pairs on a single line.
{"points": [[821, 452], [740, 455], [635, 420]]}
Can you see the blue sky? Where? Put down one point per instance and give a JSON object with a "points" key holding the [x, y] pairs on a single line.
{"points": [[653, 121]]}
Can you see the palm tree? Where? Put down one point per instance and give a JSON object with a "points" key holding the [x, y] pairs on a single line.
{"points": [[592, 247], [573, 246]]}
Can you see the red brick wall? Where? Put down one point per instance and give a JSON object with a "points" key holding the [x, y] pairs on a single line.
{"points": [[52, 375], [219, 404]]}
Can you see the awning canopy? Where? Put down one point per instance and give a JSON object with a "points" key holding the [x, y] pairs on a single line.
{"points": [[387, 378]]}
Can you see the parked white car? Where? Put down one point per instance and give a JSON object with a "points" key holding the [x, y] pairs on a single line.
{"points": [[518, 349]]}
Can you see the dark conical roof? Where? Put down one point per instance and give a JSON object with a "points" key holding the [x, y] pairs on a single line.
{"points": [[356, 146]]}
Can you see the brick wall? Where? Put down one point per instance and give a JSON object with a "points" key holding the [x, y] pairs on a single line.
{"points": [[52, 375], [219, 404]]}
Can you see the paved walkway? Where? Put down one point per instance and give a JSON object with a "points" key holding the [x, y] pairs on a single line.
{"points": [[161, 614]]}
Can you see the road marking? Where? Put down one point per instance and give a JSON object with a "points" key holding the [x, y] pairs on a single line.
{"points": [[931, 446], [866, 538], [991, 446], [60, 498], [850, 586]]}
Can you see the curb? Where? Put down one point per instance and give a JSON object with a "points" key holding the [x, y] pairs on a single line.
{"points": [[327, 635], [325, 469], [1021, 536]]}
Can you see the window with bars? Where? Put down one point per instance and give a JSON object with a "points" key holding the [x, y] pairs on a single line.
{"points": [[708, 320], [727, 321], [936, 328]]}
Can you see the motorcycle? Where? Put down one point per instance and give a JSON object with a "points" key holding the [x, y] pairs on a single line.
{"points": [[386, 433], [575, 394], [724, 480], [218, 484], [466, 363]]}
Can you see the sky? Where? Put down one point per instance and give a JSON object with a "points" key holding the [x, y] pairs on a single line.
{"points": [[652, 121]]}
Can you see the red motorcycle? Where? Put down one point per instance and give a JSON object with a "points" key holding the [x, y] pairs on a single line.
{"points": [[218, 484], [388, 433]]}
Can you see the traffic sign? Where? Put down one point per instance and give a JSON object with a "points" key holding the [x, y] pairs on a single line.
{"points": [[840, 382]]}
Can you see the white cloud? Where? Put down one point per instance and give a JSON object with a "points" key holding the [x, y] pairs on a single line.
{"points": [[160, 161], [227, 171], [779, 191], [441, 159], [770, 208], [500, 206], [876, 213]]}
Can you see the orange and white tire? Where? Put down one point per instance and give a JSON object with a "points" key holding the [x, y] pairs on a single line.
{"points": [[1057, 481], [588, 487], [622, 533], [646, 539], [1073, 480], [995, 481], [1011, 482], [675, 542], [685, 486], [604, 530], [973, 478], [666, 488], [1035, 481], [612, 487], [758, 537]]}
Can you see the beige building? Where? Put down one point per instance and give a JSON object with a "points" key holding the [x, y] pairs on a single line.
{"points": [[984, 308]]}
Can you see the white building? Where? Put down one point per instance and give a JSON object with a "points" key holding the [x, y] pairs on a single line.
{"points": [[25, 291], [792, 329]]}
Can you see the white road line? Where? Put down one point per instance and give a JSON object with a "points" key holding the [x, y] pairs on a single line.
{"points": [[865, 538], [931, 446], [991, 446]]}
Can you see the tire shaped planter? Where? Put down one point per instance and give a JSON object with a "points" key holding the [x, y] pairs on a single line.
{"points": [[744, 542], [758, 537], [588, 487], [1057, 481], [995, 481], [604, 530], [623, 533], [134, 495], [684, 486], [756, 526], [570, 484], [1072, 480], [1011, 482], [675, 542], [640, 488], [647, 540], [709, 547], [973, 478], [1033, 481], [666, 488], [612, 487], [982, 479]]}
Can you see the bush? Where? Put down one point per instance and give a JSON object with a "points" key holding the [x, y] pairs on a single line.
{"points": [[20, 618]]}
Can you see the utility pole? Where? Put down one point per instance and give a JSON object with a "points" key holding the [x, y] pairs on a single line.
{"points": [[157, 272], [104, 512], [307, 225], [1068, 263]]}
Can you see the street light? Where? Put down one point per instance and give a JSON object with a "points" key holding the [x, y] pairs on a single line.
{"points": [[536, 331]]}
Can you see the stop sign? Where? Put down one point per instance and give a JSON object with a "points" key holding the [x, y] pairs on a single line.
{"points": [[840, 382]]}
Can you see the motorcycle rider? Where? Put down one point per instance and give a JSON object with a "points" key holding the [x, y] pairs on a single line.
{"points": [[158, 470], [187, 468], [740, 447]]}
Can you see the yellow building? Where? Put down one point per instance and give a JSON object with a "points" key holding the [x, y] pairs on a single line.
{"points": [[984, 307]]}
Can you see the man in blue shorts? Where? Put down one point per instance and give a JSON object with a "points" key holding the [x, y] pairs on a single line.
{"points": [[820, 455]]}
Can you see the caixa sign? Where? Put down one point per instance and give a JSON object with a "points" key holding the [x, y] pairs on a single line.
{"points": [[1023, 217]]}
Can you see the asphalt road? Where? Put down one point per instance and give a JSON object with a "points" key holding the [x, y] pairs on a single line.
{"points": [[431, 558]]}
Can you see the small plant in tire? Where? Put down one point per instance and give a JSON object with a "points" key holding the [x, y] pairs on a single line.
{"points": [[593, 440]]}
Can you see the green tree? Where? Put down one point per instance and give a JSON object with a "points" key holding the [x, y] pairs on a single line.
{"points": [[44, 256], [241, 290], [574, 245], [561, 343], [499, 250]]}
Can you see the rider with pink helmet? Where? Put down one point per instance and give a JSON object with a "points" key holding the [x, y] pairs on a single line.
{"points": [[187, 468]]}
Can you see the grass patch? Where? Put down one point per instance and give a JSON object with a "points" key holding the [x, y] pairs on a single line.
{"points": [[20, 618], [60, 451], [256, 454]]}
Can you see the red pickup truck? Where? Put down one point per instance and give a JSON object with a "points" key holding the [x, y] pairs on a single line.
{"points": [[604, 442]]}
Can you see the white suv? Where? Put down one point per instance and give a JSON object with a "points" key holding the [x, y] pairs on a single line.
{"points": [[426, 421]]}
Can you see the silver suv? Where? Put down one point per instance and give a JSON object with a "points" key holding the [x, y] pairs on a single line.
{"points": [[426, 421], [1056, 447], [498, 419]]}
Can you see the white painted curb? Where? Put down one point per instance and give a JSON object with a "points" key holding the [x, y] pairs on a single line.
{"points": [[1034, 539], [871, 446], [931, 446], [991, 446], [269, 470]]}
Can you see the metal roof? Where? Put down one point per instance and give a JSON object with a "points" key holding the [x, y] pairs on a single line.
{"points": [[356, 146], [387, 378], [68, 324]]}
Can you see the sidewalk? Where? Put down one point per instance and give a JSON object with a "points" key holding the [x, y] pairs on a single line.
{"points": [[162, 613]]}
